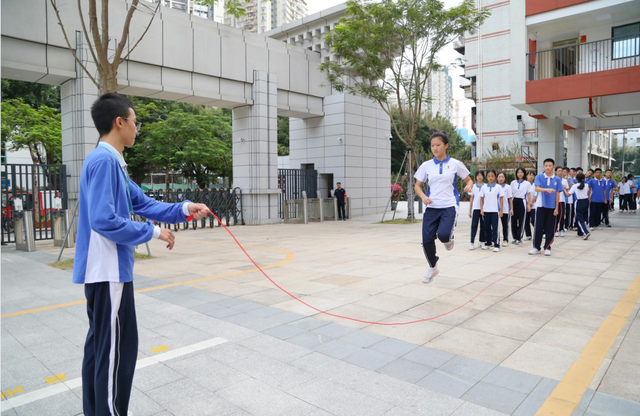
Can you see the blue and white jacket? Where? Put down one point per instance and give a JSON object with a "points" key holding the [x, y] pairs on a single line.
{"points": [[106, 234]]}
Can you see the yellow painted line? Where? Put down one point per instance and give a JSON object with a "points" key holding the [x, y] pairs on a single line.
{"points": [[567, 395], [289, 257]]}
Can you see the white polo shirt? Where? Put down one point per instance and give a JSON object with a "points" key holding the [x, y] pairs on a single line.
{"points": [[565, 185], [441, 178], [580, 193], [491, 194], [624, 188], [533, 193], [520, 189], [476, 195]]}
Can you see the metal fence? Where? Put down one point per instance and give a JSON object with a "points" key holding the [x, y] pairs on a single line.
{"points": [[292, 182], [585, 58], [226, 203], [41, 189]]}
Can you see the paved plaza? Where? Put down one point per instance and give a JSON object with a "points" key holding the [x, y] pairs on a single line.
{"points": [[218, 338]]}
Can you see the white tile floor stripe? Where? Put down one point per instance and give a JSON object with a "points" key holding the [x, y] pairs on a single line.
{"points": [[34, 396]]}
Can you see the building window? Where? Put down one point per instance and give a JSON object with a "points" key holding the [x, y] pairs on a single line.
{"points": [[495, 146], [626, 41]]}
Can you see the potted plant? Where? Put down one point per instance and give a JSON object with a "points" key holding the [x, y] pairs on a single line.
{"points": [[396, 193]]}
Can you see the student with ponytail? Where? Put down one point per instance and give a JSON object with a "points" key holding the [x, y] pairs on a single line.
{"points": [[507, 209], [520, 189], [474, 211], [531, 208], [493, 204], [581, 191]]}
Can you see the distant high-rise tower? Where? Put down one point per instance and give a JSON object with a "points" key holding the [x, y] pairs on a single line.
{"points": [[215, 12], [264, 15]]}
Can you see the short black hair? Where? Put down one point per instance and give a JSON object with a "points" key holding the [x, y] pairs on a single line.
{"points": [[579, 168], [608, 170], [338, 183], [559, 167], [491, 171], [598, 170], [630, 176], [590, 170], [565, 168], [479, 172], [573, 169], [524, 172], [441, 135], [553, 162], [106, 109]]}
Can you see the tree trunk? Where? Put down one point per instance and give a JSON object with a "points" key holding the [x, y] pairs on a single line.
{"points": [[410, 215]]}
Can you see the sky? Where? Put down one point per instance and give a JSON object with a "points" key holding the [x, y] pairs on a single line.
{"points": [[446, 57]]}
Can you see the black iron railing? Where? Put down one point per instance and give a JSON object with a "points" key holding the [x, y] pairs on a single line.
{"points": [[585, 58], [293, 181]]}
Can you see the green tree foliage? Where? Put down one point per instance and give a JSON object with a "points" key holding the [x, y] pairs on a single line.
{"points": [[631, 158], [389, 48], [38, 131], [36, 95], [283, 136]]}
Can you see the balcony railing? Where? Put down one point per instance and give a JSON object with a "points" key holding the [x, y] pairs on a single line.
{"points": [[585, 58]]}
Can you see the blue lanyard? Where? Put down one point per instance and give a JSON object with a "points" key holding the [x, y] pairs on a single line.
{"points": [[126, 179]]}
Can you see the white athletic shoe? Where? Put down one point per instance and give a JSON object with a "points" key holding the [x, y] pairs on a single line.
{"points": [[534, 251], [557, 234], [591, 228], [527, 238], [485, 247], [449, 245], [428, 278], [505, 244], [472, 246], [586, 237], [547, 252], [480, 244], [496, 250], [517, 242], [561, 233]]}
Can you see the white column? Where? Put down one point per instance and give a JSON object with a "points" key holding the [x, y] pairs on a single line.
{"points": [[574, 148], [550, 141], [255, 151]]}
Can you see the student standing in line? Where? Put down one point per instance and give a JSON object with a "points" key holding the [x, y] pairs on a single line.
{"points": [[562, 211], [581, 191], [631, 183], [508, 209], [548, 187], [609, 184], [531, 208], [589, 174], [570, 215], [441, 208], [104, 256], [623, 188], [597, 197], [493, 203], [520, 190], [474, 211]]}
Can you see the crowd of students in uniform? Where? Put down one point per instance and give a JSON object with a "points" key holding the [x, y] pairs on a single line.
{"points": [[554, 202]]}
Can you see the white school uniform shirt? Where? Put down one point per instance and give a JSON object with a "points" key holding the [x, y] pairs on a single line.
{"points": [[624, 188], [491, 194], [533, 193], [441, 178], [476, 195], [580, 193], [565, 185], [520, 189]]}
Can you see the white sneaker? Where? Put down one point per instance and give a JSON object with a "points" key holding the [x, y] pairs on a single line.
{"points": [[428, 278], [527, 238], [505, 244], [586, 237], [485, 247], [547, 252], [518, 242], [496, 250], [557, 234], [480, 244], [449, 245], [534, 251], [561, 233], [591, 228], [472, 246]]}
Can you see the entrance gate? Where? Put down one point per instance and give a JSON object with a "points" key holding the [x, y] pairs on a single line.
{"points": [[292, 182]]}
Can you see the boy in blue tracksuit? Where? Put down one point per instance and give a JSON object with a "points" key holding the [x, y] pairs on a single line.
{"points": [[104, 256], [548, 187], [597, 199]]}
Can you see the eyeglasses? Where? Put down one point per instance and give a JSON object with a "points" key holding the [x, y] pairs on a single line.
{"points": [[138, 123]]}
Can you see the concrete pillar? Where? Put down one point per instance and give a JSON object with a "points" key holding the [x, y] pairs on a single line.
{"points": [[255, 151], [550, 141], [79, 135], [574, 148], [351, 142]]}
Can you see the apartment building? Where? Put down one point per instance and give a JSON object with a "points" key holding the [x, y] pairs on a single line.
{"points": [[213, 12], [575, 68], [264, 15]]}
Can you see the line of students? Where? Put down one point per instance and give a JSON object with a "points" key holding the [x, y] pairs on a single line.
{"points": [[628, 194]]}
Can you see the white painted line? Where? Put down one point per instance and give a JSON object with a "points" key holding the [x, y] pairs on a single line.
{"points": [[75, 383]]}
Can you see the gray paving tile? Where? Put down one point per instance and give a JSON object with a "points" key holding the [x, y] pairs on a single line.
{"points": [[274, 348], [399, 411], [208, 307], [207, 372], [65, 403], [429, 357], [284, 331], [362, 338], [286, 317], [142, 405], [494, 397], [228, 353], [154, 376], [229, 302], [273, 372], [406, 370], [447, 383], [545, 387], [369, 359], [470, 409], [237, 319], [530, 406], [187, 398], [512, 379], [468, 367], [247, 306], [394, 347], [334, 330], [310, 339], [264, 312], [223, 313], [259, 324], [338, 349], [339, 400], [259, 398], [309, 323], [584, 403], [605, 404]]}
